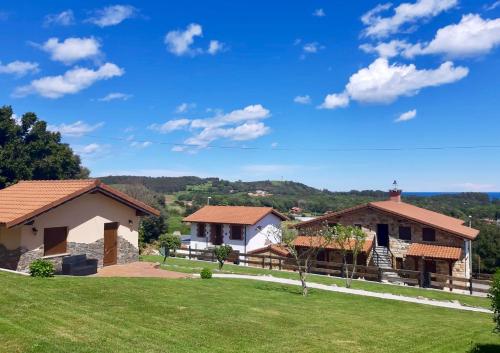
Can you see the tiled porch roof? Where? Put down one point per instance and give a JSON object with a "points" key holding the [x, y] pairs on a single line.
{"points": [[316, 241], [434, 251]]}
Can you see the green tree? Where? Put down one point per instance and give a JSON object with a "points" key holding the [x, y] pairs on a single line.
{"points": [[29, 151], [168, 243], [151, 228], [350, 241], [221, 253], [494, 295]]}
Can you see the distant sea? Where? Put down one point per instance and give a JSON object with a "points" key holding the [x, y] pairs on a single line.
{"points": [[492, 195]]}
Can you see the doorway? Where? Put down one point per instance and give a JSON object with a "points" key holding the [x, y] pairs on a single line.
{"points": [[110, 244], [216, 234], [383, 235]]}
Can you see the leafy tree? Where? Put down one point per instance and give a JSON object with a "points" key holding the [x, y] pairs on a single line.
{"points": [[494, 295], [313, 240], [29, 151], [151, 228], [350, 240], [169, 242], [221, 253]]}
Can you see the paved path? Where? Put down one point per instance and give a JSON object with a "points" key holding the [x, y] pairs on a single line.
{"points": [[139, 269], [442, 304]]}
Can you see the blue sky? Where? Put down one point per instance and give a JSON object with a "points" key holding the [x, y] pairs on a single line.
{"points": [[311, 91]]}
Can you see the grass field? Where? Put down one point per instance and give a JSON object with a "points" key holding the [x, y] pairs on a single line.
{"points": [[192, 266], [193, 315]]}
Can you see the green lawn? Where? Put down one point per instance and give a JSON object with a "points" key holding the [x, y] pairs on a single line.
{"points": [[192, 315], [192, 266]]}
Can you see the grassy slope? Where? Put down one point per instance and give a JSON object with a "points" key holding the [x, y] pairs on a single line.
{"points": [[190, 266], [155, 315]]}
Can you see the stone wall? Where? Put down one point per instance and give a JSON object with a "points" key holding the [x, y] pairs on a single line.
{"points": [[368, 219], [19, 259]]}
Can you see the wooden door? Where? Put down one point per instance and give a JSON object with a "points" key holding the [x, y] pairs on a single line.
{"points": [[383, 235], [110, 243]]}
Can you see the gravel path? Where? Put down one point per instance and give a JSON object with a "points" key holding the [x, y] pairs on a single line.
{"points": [[443, 304]]}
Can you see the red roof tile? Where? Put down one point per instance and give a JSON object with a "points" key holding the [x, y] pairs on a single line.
{"points": [[277, 249], [232, 215], [316, 241], [434, 251], [27, 199]]}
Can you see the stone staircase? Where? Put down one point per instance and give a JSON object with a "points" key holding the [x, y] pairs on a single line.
{"points": [[382, 259]]}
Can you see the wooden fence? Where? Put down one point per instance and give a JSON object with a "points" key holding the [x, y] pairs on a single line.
{"points": [[370, 273]]}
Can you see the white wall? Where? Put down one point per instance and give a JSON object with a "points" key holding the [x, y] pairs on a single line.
{"points": [[84, 216], [257, 235]]}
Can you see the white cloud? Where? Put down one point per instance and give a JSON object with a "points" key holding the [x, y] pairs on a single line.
{"points": [[405, 13], [274, 144], [215, 47], [492, 6], [115, 96], [184, 107], [89, 149], [72, 49], [19, 68], [312, 47], [141, 144], [238, 125], [112, 15], [76, 129], [73, 81], [411, 114], [386, 50], [302, 99], [65, 18], [334, 100], [171, 125], [384, 83], [319, 13], [179, 42], [471, 36]]}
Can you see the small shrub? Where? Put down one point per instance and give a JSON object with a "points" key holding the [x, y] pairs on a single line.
{"points": [[222, 253], [206, 273], [41, 268]]}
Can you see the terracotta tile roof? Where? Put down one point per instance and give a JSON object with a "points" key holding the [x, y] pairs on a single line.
{"points": [[277, 249], [309, 241], [232, 215], [414, 213], [27, 199], [434, 251]]}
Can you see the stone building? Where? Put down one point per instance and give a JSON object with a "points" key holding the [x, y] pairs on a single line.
{"points": [[52, 219], [403, 236]]}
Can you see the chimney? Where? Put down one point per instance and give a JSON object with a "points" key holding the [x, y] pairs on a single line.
{"points": [[395, 193]]}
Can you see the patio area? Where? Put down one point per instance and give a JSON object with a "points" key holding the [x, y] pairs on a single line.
{"points": [[139, 269]]}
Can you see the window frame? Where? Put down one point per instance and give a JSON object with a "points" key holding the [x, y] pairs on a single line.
{"points": [[424, 234], [53, 248], [232, 227], [203, 228], [404, 237]]}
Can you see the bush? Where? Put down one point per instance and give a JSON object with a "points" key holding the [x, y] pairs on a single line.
{"points": [[206, 273], [41, 268], [222, 253], [494, 295]]}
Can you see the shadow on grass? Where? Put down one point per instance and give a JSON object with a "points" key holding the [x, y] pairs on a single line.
{"points": [[485, 348], [283, 288]]}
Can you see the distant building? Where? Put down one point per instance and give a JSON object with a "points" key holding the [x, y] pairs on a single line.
{"points": [[244, 228]]}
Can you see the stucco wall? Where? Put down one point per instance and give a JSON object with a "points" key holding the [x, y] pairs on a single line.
{"points": [[85, 218]]}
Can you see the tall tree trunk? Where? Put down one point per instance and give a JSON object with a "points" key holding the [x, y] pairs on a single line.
{"points": [[303, 282], [354, 263]]}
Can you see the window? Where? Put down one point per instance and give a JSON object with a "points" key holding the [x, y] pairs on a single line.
{"points": [[428, 234], [405, 233], [236, 232], [54, 240], [201, 230]]}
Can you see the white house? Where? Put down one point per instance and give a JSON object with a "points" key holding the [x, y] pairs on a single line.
{"points": [[52, 219], [244, 228]]}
